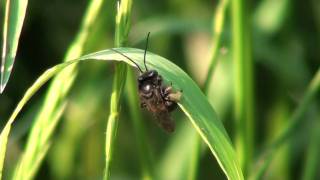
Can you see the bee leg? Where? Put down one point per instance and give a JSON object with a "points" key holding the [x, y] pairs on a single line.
{"points": [[170, 105], [143, 105], [175, 97], [167, 91]]}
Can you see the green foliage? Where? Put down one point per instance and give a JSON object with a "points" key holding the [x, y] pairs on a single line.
{"points": [[204, 119], [265, 54], [47, 116], [121, 34], [287, 132], [243, 78], [13, 21]]}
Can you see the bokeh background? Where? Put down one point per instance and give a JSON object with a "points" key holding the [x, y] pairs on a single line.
{"points": [[285, 49]]}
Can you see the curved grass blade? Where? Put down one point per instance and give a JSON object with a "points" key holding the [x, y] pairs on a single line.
{"points": [[56, 93], [30, 92], [193, 103], [13, 21]]}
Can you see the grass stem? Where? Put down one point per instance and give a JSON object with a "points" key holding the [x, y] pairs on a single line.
{"points": [[218, 24], [243, 83], [121, 36]]}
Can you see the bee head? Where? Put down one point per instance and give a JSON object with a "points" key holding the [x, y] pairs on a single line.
{"points": [[148, 81], [148, 76]]}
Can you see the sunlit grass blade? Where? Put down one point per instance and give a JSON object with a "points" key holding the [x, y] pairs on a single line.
{"points": [[121, 34], [195, 106], [13, 21], [113, 118], [193, 103], [55, 95], [29, 93], [45, 142]]}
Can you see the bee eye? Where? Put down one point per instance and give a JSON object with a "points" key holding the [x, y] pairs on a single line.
{"points": [[147, 88], [151, 74]]}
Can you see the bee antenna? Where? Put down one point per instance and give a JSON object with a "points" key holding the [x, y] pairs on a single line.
{"points": [[145, 52], [128, 58]]}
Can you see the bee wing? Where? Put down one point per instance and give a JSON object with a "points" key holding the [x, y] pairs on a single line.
{"points": [[164, 121]]}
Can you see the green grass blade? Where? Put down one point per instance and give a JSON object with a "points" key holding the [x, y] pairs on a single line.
{"points": [[75, 126], [55, 95], [30, 92], [277, 118], [218, 19], [195, 106], [243, 80], [263, 161], [113, 119], [218, 23], [175, 162], [139, 128], [41, 153], [121, 36], [310, 170], [193, 103], [13, 21]]}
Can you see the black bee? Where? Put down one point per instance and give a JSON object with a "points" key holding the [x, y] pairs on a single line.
{"points": [[156, 97]]}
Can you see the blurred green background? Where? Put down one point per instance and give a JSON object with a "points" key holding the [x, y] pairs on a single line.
{"points": [[285, 49]]}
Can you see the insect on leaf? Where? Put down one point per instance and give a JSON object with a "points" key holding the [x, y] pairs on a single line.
{"points": [[193, 103]]}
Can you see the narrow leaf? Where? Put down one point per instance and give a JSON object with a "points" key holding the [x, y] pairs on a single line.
{"points": [[13, 21], [193, 103]]}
